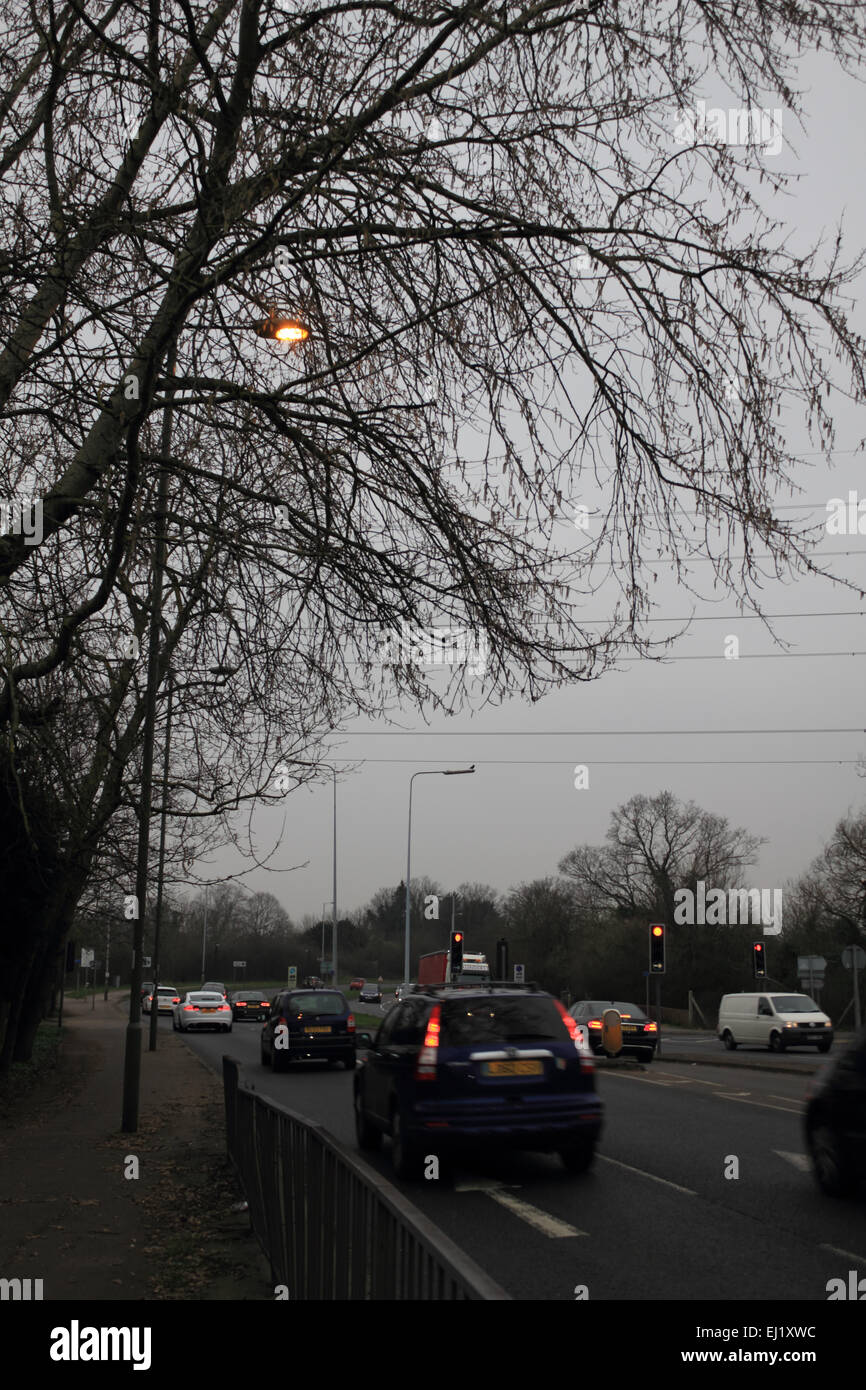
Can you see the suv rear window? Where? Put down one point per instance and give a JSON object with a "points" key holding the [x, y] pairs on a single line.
{"points": [[488, 1019], [317, 1004]]}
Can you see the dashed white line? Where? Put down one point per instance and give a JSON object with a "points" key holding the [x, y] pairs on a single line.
{"points": [[800, 1161], [540, 1220], [846, 1254], [640, 1172]]}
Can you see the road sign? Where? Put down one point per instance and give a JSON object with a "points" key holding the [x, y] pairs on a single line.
{"points": [[807, 963], [239, 965], [854, 957], [86, 956], [293, 974], [145, 960], [519, 972]]}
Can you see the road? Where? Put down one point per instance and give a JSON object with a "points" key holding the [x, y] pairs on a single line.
{"points": [[656, 1218]]}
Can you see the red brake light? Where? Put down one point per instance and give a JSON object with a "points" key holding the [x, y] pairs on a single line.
{"points": [[175, 1001], [350, 1024], [568, 1021], [595, 1023], [223, 1008], [650, 1027], [188, 1007], [425, 1064], [240, 1003]]}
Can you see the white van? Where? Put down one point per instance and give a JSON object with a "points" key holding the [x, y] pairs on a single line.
{"points": [[776, 1021]]}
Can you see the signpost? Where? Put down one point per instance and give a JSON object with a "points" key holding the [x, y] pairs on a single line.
{"points": [[293, 974], [853, 959], [811, 972], [519, 972]]}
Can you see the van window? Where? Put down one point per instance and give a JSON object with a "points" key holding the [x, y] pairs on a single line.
{"points": [[795, 1004], [764, 1007]]}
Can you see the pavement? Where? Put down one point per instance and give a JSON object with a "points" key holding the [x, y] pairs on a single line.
{"points": [[71, 1211]]}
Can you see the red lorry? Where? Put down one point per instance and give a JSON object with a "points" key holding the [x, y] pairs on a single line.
{"points": [[433, 969]]}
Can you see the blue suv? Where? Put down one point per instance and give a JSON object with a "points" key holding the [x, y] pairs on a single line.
{"points": [[496, 1065]]}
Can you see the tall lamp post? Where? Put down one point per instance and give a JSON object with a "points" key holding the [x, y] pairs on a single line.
{"points": [[438, 772]]}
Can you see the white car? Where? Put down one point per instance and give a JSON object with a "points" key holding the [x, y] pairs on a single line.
{"points": [[202, 1009], [167, 997]]}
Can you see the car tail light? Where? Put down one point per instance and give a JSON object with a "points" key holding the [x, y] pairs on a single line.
{"points": [[425, 1063], [175, 1001], [240, 1003], [350, 1024], [223, 1008], [188, 1008], [595, 1023], [650, 1027], [568, 1021]]}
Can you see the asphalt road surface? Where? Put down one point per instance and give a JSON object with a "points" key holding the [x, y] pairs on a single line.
{"points": [[657, 1217]]}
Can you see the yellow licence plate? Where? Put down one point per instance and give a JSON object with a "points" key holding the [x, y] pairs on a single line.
{"points": [[513, 1068], [318, 1030]]}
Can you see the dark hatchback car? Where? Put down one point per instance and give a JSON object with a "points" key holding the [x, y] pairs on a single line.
{"points": [[494, 1067], [308, 1025], [639, 1033], [249, 1003], [835, 1122]]}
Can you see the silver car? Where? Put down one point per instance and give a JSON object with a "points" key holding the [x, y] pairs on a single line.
{"points": [[202, 1009]]}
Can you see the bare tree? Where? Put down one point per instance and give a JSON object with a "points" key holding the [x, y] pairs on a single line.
{"points": [[481, 217], [656, 845]]}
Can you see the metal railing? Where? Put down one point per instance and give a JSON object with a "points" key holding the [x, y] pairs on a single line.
{"points": [[330, 1225]]}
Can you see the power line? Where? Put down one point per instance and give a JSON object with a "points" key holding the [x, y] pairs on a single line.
{"points": [[628, 762], [574, 733]]}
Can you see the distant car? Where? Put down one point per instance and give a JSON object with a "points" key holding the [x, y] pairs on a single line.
{"points": [[402, 990], [202, 1009], [167, 997], [250, 1003], [214, 987], [500, 1067], [314, 1025], [146, 987], [356, 984], [371, 993], [639, 1033], [835, 1122]]}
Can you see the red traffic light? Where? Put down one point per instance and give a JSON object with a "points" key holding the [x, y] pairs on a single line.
{"points": [[458, 936]]}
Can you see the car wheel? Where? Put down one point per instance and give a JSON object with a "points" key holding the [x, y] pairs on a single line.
{"points": [[278, 1062], [728, 1040], [405, 1157], [830, 1165], [350, 1061], [578, 1157], [367, 1135], [777, 1042], [228, 1028], [825, 1046], [263, 1056], [647, 1054]]}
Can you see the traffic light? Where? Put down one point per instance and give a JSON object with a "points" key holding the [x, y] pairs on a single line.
{"points": [[456, 952], [759, 960], [657, 949]]}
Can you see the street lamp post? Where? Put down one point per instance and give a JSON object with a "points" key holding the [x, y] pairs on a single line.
{"points": [[439, 772], [132, 1054]]}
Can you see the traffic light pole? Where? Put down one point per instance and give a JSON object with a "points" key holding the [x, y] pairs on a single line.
{"points": [[659, 1013]]}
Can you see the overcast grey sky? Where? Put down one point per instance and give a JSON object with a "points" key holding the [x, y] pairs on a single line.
{"points": [[520, 813]]}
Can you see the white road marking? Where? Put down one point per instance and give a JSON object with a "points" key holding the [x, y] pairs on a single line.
{"points": [[846, 1254], [640, 1172], [800, 1161], [533, 1216]]}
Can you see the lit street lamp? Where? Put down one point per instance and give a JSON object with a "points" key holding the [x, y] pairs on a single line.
{"points": [[439, 772], [282, 329]]}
